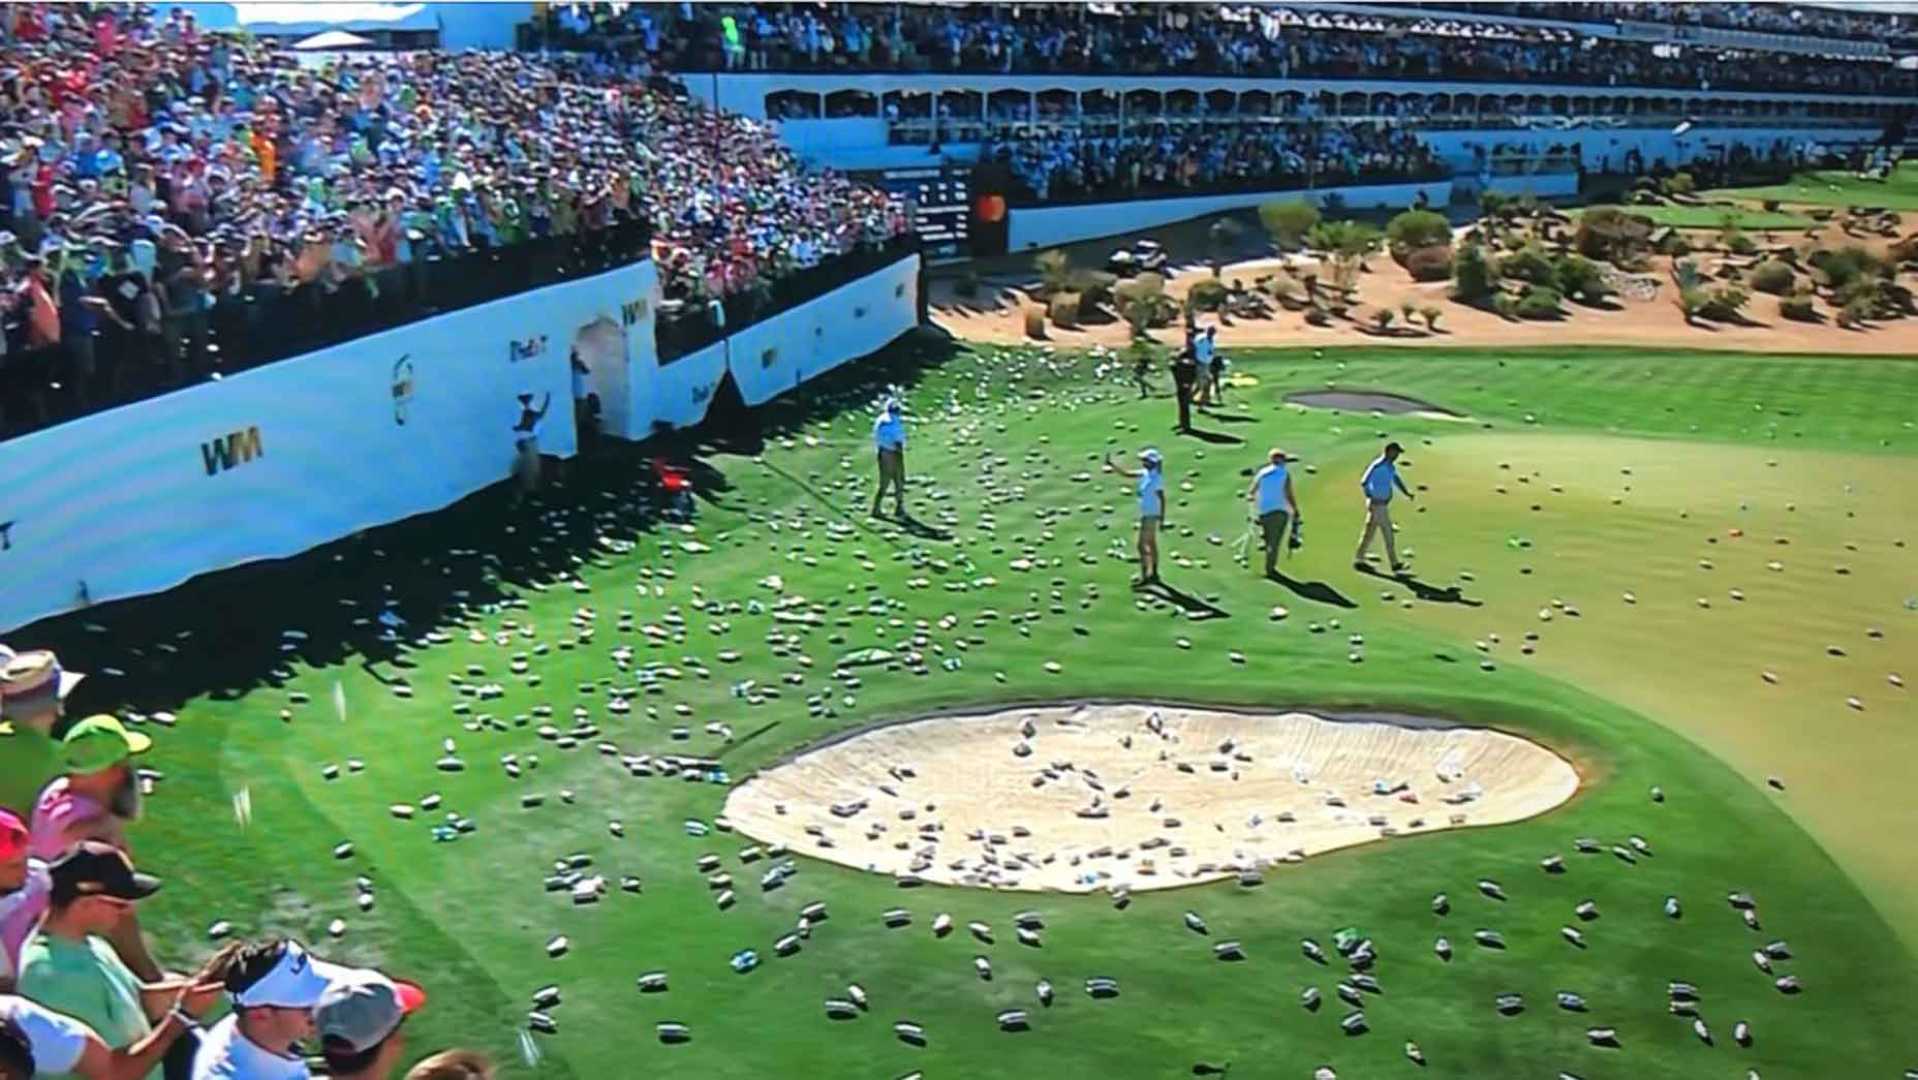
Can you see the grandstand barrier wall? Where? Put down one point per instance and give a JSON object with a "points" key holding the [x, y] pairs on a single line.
{"points": [[1047, 226], [777, 353], [272, 461]]}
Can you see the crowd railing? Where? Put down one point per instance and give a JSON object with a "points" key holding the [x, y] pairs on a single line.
{"points": [[266, 321], [686, 325]]}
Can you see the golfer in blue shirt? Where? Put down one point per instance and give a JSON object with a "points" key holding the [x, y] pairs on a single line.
{"points": [[1380, 478], [889, 439]]}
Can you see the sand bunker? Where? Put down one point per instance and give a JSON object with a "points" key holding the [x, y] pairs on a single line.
{"points": [[1368, 401], [1083, 797]]}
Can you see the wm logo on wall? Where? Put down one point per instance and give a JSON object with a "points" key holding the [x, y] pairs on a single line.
{"points": [[229, 452]]}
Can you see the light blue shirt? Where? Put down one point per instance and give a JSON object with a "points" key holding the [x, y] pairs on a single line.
{"points": [[1271, 488], [1380, 478], [1152, 493], [889, 433]]}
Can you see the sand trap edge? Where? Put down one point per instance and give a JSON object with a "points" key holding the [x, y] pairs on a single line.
{"points": [[1387, 402], [1575, 783]]}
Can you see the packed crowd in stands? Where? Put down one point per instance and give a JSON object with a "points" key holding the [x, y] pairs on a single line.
{"points": [[82, 994], [175, 197], [1802, 19], [1070, 165], [1182, 39]]}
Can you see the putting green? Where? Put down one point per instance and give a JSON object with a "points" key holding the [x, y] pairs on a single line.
{"points": [[1017, 572], [1837, 188]]}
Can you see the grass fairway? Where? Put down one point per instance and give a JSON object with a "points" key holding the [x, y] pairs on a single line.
{"points": [[1837, 188], [1713, 217], [1005, 444]]}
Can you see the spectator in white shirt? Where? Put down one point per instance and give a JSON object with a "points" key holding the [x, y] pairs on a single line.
{"points": [[889, 440]]}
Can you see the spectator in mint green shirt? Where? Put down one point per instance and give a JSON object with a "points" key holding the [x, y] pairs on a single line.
{"points": [[69, 968]]}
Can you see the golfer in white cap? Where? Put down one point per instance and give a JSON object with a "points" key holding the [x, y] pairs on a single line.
{"points": [[1273, 504], [1151, 489], [889, 439], [275, 986], [359, 1021]]}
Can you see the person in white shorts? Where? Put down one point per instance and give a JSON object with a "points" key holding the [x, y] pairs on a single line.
{"points": [[1151, 490]]}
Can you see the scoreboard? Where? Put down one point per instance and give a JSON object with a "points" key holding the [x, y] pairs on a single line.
{"points": [[940, 202]]}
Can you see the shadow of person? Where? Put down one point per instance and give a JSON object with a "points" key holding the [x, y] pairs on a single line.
{"points": [[1213, 413], [1217, 438], [1199, 608], [921, 529], [1313, 590], [1431, 594]]}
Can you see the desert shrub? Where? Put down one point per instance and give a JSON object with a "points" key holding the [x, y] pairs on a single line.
{"points": [[1348, 242], [1685, 274], [1288, 222], [1093, 286], [1740, 244], [1494, 204], [1035, 323], [1797, 309], [1472, 278], [1429, 263], [1772, 276], [1680, 184], [1382, 318], [1431, 317], [1063, 310], [1674, 244], [1607, 232], [1506, 305], [1206, 294], [1874, 296], [1529, 263], [1690, 302], [1055, 270], [1771, 206], [1316, 316], [1847, 264], [1540, 302], [1856, 313], [1580, 278], [1723, 304], [1407, 310], [1415, 229]]}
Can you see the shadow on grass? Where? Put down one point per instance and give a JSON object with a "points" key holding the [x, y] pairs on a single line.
{"points": [[1431, 594], [1318, 591], [363, 599], [1199, 608]]}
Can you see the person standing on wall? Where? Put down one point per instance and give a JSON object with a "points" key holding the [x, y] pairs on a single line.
{"points": [[889, 440], [526, 464], [1380, 478]]}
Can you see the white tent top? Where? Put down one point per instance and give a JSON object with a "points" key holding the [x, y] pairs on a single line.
{"points": [[331, 39]]}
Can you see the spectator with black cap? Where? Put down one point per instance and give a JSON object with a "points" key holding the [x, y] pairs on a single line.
{"points": [[95, 798], [360, 1020], [274, 986], [69, 967]]}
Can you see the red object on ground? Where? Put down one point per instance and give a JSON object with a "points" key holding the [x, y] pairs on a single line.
{"points": [[673, 479]]}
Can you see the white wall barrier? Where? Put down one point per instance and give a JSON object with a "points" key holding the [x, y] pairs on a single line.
{"points": [[1041, 227], [270, 462], [775, 355]]}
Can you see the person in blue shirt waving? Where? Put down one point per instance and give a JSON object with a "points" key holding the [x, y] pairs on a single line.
{"points": [[1151, 478], [1380, 478]]}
